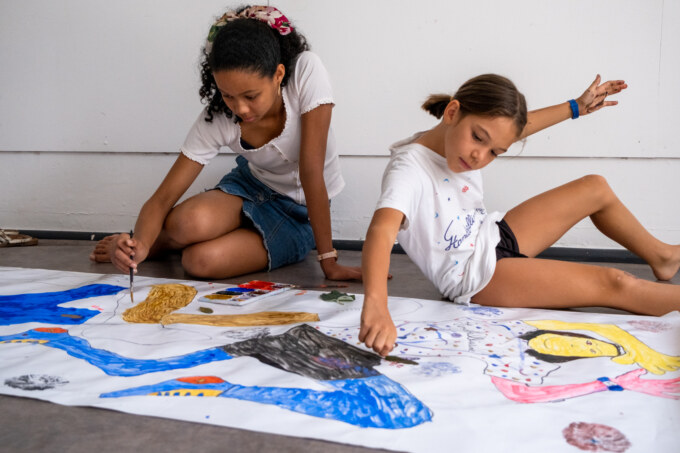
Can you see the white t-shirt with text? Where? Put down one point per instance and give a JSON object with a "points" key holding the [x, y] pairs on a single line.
{"points": [[447, 231]]}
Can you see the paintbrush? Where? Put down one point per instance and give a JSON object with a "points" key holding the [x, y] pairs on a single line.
{"points": [[132, 272]]}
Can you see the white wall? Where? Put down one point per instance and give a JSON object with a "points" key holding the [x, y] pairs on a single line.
{"points": [[95, 98]]}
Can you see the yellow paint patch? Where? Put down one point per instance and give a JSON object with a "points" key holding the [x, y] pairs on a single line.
{"points": [[162, 300], [263, 318], [218, 296]]}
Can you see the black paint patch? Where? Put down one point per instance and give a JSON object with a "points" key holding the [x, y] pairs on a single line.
{"points": [[306, 351], [35, 382]]}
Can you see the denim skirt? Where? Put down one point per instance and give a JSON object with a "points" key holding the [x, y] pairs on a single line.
{"points": [[282, 223]]}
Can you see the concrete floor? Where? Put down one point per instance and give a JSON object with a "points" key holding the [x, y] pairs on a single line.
{"points": [[33, 425]]}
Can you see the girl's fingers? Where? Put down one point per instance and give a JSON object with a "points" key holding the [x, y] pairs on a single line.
{"points": [[384, 344], [369, 338], [378, 341]]}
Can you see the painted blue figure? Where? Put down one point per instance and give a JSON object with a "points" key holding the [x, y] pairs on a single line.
{"points": [[357, 394], [44, 307], [109, 362]]}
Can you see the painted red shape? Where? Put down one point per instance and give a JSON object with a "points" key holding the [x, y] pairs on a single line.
{"points": [[595, 437], [201, 380], [51, 329], [257, 284]]}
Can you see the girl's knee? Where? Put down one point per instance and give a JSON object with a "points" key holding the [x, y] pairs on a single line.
{"points": [[199, 261], [597, 189], [184, 223], [618, 282], [595, 182]]}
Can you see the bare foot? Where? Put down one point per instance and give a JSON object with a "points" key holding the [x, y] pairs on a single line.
{"points": [[668, 265], [104, 249]]}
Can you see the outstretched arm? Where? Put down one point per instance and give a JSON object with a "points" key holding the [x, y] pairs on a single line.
{"points": [[592, 100], [635, 350], [522, 393], [377, 328], [314, 136]]}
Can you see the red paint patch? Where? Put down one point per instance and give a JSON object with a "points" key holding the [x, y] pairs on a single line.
{"points": [[465, 189], [257, 284], [201, 380], [595, 437], [51, 330]]}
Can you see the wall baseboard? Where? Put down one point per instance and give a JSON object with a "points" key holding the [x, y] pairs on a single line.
{"points": [[555, 253]]}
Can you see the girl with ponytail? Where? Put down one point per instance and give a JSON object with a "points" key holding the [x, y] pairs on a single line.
{"points": [[432, 201]]}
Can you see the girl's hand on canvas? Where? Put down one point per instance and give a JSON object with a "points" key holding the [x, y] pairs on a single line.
{"points": [[594, 98], [334, 271], [377, 328]]}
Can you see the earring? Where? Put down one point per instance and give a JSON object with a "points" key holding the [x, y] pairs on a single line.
{"points": [[279, 89]]}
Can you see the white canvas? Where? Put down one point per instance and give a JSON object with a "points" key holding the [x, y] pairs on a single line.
{"points": [[469, 377]]}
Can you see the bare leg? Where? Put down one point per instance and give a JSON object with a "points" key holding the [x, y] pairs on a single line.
{"points": [[539, 283], [238, 252], [541, 220], [208, 227], [202, 217], [103, 250], [106, 246]]}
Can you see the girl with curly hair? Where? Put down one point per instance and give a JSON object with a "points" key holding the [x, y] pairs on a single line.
{"points": [[269, 100]]}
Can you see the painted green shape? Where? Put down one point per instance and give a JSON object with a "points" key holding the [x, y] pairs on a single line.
{"points": [[205, 310], [337, 296]]}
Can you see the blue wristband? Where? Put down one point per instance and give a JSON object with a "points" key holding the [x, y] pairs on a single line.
{"points": [[574, 109], [611, 385]]}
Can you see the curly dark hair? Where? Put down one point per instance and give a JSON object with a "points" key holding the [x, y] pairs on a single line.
{"points": [[251, 45]]}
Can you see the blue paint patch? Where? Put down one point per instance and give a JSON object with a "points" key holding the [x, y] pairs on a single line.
{"points": [[109, 362], [237, 289], [484, 311], [44, 307], [371, 402], [436, 369]]}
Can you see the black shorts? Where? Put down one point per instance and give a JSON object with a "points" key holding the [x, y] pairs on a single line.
{"points": [[507, 247]]}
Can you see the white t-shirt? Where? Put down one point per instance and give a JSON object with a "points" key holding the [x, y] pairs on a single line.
{"points": [[276, 164], [446, 231]]}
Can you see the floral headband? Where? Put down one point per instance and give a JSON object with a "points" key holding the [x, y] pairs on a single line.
{"points": [[267, 14]]}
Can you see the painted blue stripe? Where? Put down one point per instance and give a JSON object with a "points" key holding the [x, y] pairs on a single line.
{"points": [[114, 364], [44, 307], [371, 402]]}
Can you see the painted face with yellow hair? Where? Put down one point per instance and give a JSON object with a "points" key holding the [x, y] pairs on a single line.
{"points": [[568, 346]]}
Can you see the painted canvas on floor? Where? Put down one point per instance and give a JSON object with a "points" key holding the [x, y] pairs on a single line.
{"points": [[486, 379]]}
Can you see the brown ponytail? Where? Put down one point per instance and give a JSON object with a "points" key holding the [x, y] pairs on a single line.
{"points": [[435, 104]]}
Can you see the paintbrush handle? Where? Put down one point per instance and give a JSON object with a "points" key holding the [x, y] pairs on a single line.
{"points": [[132, 272]]}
